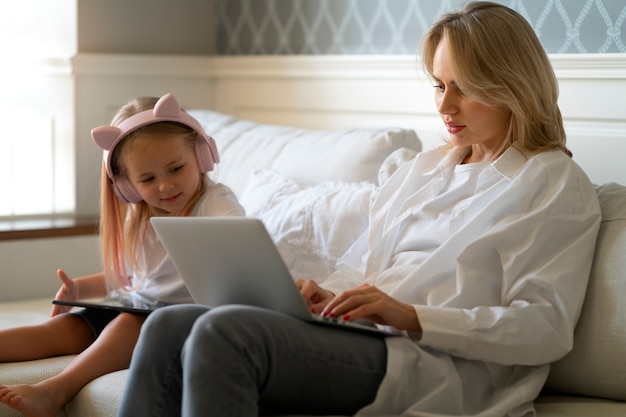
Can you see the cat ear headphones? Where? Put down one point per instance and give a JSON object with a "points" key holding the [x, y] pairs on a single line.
{"points": [[166, 109]]}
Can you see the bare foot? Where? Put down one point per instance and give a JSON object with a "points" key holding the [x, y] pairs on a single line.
{"points": [[30, 400]]}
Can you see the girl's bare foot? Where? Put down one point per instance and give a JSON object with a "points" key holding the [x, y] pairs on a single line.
{"points": [[31, 400]]}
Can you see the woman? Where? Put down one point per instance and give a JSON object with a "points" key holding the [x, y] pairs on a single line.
{"points": [[479, 251]]}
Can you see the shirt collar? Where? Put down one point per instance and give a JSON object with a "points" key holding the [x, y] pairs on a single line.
{"points": [[508, 164], [511, 162]]}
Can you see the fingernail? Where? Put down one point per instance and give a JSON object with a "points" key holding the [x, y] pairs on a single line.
{"points": [[345, 317], [313, 310]]}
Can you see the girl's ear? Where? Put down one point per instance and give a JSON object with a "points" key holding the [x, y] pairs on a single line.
{"points": [[105, 136]]}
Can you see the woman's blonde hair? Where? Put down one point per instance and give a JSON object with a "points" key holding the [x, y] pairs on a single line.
{"points": [[122, 224], [498, 60]]}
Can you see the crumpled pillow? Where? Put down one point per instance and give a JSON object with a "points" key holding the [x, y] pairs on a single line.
{"points": [[312, 226]]}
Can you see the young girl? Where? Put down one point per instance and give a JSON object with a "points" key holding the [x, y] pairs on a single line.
{"points": [[156, 158]]}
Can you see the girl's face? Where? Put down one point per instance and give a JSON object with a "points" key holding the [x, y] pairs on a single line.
{"points": [[164, 171], [469, 122]]}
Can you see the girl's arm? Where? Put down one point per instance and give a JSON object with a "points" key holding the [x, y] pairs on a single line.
{"points": [[89, 286]]}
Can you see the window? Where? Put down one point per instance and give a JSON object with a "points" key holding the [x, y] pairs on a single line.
{"points": [[37, 38]]}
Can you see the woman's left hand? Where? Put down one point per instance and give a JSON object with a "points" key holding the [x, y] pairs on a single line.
{"points": [[368, 302]]}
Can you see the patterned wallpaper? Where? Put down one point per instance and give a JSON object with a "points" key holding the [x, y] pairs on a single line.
{"points": [[275, 27]]}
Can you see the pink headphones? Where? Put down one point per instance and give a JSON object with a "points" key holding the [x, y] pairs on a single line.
{"points": [[166, 109]]}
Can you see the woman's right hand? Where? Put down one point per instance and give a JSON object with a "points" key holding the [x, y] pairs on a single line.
{"points": [[68, 292], [315, 296]]}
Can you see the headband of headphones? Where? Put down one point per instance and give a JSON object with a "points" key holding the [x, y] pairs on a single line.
{"points": [[166, 109]]}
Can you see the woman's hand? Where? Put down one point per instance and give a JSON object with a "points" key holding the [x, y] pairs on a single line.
{"points": [[69, 291], [368, 302], [315, 296]]}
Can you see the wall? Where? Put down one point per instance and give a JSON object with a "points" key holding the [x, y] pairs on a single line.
{"points": [[146, 26], [284, 27], [29, 266], [245, 27]]}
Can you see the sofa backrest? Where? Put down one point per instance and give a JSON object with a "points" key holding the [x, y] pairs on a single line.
{"points": [[596, 366], [308, 157]]}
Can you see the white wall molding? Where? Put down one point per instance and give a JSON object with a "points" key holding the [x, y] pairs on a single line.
{"points": [[566, 66], [589, 66], [315, 66]]}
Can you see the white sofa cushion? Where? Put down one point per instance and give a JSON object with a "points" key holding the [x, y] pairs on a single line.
{"points": [[596, 366], [306, 156], [99, 398]]}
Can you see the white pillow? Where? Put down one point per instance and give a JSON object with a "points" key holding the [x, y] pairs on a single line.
{"points": [[307, 156], [312, 226], [394, 161]]}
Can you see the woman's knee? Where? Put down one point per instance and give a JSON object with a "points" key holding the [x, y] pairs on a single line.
{"points": [[166, 319], [227, 334], [168, 327], [235, 320], [232, 325]]}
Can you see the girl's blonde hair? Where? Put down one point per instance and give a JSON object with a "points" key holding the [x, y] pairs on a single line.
{"points": [[499, 61], [122, 224]]}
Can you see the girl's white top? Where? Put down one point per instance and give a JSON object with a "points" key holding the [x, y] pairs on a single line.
{"points": [[495, 259], [157, 281]]}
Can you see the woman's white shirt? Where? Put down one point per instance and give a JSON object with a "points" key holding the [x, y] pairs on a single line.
{"points": [[157, 281], [495, 260]]}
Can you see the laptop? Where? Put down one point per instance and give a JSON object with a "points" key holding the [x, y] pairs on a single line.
{"points": [[233, 260]]}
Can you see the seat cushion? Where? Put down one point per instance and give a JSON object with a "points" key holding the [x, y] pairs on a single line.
{"points": [[568, 406]]}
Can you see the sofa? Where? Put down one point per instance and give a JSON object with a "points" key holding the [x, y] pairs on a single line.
{"points": [[312, 190]]}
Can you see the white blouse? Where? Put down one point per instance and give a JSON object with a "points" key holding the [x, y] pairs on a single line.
{"points": [[495, 260]]}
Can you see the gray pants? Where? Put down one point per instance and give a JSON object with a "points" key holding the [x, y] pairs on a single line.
{"points": [[235, 361]]}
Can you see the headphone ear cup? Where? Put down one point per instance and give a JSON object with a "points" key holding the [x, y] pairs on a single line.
{"points": [[206, 154], [126, 192]]}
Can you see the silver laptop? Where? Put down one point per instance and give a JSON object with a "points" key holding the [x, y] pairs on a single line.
{"points": [[233, 260]]}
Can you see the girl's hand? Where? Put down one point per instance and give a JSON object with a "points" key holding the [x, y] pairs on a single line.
{"points": [[368, 302], [68, 292], [315, 296]]}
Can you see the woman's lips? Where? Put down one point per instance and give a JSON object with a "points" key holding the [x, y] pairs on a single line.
{"points": [[454, 128]]}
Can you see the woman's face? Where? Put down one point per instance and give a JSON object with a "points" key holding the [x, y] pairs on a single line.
{"points": [[469, 122], [164, 171]]}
